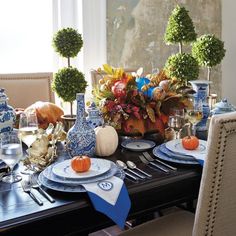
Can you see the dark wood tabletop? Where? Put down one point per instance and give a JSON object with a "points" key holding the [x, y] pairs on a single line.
{"points": [[73, 212]]}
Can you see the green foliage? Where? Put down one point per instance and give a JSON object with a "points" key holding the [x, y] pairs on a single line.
{"points": [[67, 42], [208, 50], [67, 82], [182, 66], [180, 27]]}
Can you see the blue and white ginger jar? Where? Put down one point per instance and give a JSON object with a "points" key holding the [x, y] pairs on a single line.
{"points": [[81, 137], [94, 118], [7, 113]]}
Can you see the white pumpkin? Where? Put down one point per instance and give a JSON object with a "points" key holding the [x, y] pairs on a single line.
{"points": [[106, 140]]}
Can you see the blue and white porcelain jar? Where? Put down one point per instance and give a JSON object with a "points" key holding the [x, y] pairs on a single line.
{"points": [[94, 118], [81, 137], [201, 88], [7, 113]]}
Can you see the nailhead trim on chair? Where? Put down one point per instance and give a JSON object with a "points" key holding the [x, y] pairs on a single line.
{"points": [[217, 176]]}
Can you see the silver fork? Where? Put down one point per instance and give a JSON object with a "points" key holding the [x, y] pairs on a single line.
{"points": [[145, 161], [36, 185], [27, 189], [149, 158]]}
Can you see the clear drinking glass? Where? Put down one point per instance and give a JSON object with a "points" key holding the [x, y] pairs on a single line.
{"points": [[28, 127], [194, 114], [176, 120], [11, 153]]}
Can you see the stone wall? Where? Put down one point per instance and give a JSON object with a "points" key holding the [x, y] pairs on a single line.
{"points": [[135, 31]]}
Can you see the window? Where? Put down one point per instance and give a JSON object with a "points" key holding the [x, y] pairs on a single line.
{"points": [[26, 30]]}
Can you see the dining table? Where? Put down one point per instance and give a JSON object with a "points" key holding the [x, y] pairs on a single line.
{"points": [[74, 214]]}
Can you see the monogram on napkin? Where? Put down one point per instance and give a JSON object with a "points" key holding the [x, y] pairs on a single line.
{"points": [[110, 197]]}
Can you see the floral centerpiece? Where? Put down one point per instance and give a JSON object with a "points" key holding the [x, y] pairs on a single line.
{"points": [[134, 104]]}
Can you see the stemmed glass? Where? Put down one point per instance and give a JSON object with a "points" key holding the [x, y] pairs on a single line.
{"points": [[176, 120], [194, 114], [28, 131], [11, 153], [28, 127]]}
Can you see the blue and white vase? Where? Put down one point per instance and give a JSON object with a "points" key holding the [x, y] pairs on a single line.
{"points": [[201, 88], [7, 113], [94, 118], [81, 137]]}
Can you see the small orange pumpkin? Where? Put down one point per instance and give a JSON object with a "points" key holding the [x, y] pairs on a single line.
{"points": [[190, 142], [80, 163]]}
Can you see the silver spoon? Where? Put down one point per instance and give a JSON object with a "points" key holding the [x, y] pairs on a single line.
{"points": [[126, 173], [132, 165], [124, 166]]}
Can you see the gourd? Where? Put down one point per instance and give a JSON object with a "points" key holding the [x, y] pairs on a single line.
{"points": [[80, 163], [190, 142], [106, 140]]}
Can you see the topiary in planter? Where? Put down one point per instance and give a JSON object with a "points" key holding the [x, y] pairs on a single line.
{"points": [[67, 82], [180, 28], [183, 67], [67, 42], [208, 51]]}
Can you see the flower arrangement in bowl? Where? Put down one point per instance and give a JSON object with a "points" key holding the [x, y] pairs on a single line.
{"points": [[134, 104]]}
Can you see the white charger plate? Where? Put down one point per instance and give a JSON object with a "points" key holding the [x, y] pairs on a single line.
{"points": [[177, 147], [98, 167]]}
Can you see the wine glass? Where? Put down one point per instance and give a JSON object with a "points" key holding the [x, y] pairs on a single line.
{"points": [[28, 127], [11, 153], [194, 114], [176, 120], [28, 131]]}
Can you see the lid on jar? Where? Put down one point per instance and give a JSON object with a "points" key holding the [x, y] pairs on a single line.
{"points": [[223, 107], [3, 96]]}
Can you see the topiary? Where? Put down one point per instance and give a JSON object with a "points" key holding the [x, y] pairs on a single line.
{"points": [[209, 51], [180, 28], [67, 82], [183, 67], [67, 42]]}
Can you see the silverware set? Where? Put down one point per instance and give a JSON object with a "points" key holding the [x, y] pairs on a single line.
{"points": [[134, 173], [32, 182]]}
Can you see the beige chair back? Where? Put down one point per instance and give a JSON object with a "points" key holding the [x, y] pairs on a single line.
{"points": [[25, 89], [216, 208]]}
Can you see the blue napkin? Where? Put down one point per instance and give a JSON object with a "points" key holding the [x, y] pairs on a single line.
{"points": [[110, 197]]}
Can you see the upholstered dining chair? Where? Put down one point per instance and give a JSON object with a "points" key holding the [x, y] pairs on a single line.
{"points": [[216, 208], [25, 89]]}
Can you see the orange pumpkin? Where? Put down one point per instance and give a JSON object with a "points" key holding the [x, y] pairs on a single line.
{"points": [[190, 142], [80, 163]]}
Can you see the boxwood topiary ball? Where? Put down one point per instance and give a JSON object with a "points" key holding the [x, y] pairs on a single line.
{"points": [[67, 42], [67, 82]]}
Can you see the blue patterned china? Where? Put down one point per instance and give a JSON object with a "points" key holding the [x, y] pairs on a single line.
{"points": [[71, 189], [81, 137], [159, 154], [7, 113], [201, 88], [223, 107], [94, 118], [65, 171], [138, 145], [48, 174], [175, 155]]}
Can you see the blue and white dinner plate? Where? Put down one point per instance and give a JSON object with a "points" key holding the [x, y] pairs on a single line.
{"points": [[98, 167], [159, 154], [71, 189], [48, 174], [138, 145], [175, 155]]}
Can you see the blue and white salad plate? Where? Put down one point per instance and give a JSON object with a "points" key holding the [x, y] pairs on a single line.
{"points": [[98, 167], [138, 145]]}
